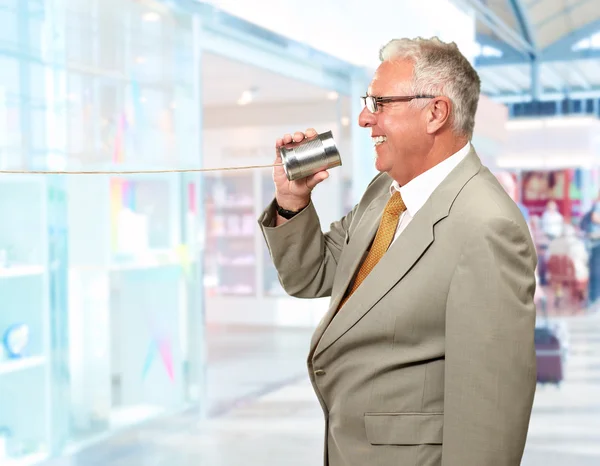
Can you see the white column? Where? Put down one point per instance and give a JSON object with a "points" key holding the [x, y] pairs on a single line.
{"points": [[196, 381]]}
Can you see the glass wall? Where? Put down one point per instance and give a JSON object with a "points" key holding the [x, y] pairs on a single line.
{"points": [[100, 288], [24, 276], [257, 336]]}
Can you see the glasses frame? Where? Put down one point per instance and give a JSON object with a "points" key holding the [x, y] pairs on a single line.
{"points": [[375, 101]]}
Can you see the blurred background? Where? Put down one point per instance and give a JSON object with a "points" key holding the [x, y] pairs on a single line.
{"points": [[141, 321]]}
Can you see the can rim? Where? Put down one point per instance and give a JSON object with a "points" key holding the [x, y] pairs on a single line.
{"points": [[286, 160]]}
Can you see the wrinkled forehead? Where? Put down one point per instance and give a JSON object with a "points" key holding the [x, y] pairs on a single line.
{"points": [[392, 78]]}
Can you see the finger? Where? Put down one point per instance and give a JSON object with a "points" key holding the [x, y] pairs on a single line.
{"points": [[312, 181], [278, 144], [287, 138], [310, 132], [298, 136]]}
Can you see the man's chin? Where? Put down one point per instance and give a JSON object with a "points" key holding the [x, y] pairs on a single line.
{"points": [[380, 166], [381, 157]]}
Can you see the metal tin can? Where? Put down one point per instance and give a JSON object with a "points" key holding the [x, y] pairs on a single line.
{"points": [[310, 156]]}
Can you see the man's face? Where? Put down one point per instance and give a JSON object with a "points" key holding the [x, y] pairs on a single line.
{"points": [[398, 129]]}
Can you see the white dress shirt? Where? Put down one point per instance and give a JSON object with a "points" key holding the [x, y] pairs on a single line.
{"points": [[416, 192]]}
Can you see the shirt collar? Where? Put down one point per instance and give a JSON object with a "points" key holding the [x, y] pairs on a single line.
{"points": [[416, 192]]}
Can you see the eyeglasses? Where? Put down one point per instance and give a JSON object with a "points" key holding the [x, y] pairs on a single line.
{"points": [[371, 102]]}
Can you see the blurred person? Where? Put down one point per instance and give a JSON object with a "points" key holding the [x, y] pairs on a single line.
{"points": [[541, 244], [591, 227], [426, 355], [535, 224], [570, 245], [552, 221]]}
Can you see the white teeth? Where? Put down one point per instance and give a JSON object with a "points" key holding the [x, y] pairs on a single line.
{"points": [[379, 140]]}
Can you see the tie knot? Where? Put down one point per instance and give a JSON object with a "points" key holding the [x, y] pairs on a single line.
{"points": [[395, 205]]}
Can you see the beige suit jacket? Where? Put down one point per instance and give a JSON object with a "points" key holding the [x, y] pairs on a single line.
{"points": [[432, 360]]}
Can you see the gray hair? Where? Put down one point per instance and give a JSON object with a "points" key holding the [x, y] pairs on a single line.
{"points": [[440, 69]]}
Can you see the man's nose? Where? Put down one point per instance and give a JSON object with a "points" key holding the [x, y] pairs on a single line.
{"points": [[366, 119]]}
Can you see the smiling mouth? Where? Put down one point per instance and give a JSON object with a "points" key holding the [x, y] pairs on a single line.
{"points": [[379, 140]]}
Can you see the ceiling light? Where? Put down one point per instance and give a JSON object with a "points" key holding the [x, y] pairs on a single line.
{"points": [[151, 17], [554, 122], [535, 161], [332, 95], [524, 124], [247, 97], [345, 121], [569, 122]]}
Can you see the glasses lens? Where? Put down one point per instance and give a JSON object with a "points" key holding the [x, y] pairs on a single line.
{"points": [[371, 104]]}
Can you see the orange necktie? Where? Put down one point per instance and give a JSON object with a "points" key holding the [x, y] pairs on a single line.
{"points": [[383, 239]]}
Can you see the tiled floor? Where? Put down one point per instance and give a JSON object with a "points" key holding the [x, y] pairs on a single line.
{"points": [[285, 426], [280, 428], [245, 362], [565, 425]]}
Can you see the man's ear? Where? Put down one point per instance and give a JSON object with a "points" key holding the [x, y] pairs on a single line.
{"points": [[438, 114]]}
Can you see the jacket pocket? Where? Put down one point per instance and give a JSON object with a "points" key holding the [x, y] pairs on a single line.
{"points": [[404, 428]]}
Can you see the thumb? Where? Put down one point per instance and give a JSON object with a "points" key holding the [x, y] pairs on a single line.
{"points": [[315, 179]]}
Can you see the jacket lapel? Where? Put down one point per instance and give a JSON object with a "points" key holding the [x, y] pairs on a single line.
{"points": [[397, 261], [357, 249]]}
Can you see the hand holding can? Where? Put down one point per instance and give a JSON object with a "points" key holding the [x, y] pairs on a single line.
{"points": [[306, 157]]}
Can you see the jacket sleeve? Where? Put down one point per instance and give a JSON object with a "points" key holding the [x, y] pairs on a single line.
{"points": [[490, 375], [305, 257]]}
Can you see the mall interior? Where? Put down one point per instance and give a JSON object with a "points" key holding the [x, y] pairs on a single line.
{"points": [[142, 321]]}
